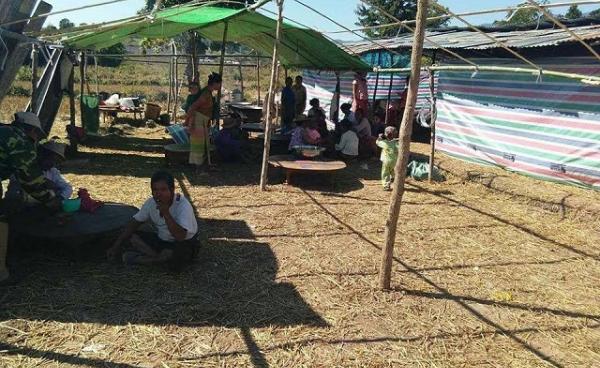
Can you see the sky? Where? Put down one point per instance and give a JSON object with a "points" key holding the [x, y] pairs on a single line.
{"points": [[342, 11]]}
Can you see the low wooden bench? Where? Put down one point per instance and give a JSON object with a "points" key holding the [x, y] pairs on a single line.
{"points": [[292, 165]]}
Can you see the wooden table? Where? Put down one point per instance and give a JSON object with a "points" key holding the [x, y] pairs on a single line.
{"points": [[293, 165], [104, 110], [82, 233]]}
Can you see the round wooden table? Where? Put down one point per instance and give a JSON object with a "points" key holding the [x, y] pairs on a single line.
{"points": [[292, 165], [81, 234], [61, 225]]}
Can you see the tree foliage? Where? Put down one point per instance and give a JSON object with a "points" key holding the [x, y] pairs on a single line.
{"points": [[168, 3], [65, 24], [118, 49], [573, 12], [522, 16], [595, 13], [402, 9]]}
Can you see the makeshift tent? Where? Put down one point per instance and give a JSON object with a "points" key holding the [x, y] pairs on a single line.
{"points": [[549, 129], [300, 47]]}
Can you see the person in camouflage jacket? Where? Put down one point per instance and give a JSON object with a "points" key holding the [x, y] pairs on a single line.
{"points": [[18, 156]]}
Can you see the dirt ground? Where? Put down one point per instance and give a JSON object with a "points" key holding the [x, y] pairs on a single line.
{"points": [[491, 269]]}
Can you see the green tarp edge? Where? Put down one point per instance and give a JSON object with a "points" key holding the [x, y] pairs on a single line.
{"points": [[300, 47]]}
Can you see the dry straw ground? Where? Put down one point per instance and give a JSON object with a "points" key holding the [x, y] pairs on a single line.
{"points": [[491, 269]]}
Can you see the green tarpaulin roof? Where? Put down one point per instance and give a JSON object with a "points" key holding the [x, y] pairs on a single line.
{"points": [[300, 47]]}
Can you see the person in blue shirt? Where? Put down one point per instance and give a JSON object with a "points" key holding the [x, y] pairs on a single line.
{"points": [[288, 106]]}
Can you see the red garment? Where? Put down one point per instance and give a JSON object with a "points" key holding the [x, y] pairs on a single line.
{"points": [[87, 203]]}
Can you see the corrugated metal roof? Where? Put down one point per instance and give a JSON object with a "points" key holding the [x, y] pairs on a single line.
{"points": [[464, 39]]}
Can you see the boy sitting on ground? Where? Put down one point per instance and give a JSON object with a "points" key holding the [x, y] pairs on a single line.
{"points": [[172, 215], [347, 147]]}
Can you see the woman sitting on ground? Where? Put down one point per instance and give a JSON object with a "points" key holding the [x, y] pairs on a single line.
{"points": [[304, 133], [229, 141], [366, 146]]}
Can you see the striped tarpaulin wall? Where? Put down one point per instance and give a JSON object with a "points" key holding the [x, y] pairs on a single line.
{"points": [[549, 129], [321, 85]]}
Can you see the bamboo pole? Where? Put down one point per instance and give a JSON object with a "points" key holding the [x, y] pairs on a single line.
{"points": [[257, 79], [194, 57], [71, 87], [433, 98], [81, 83], [222, 62], [170, 83], [34, 76], [97, 77], [375, 90], [176, 92], [389, 96], [241, 79], [482, 68], [267, 144], [404, 149]]}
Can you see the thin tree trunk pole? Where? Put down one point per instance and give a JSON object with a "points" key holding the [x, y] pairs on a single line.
{"points": [[391, 226], [241, 79], [81, 83], [389, 96], [432, 124], [34, 76], [375, 90], [267, 144], [71, 96], [194, 57], [170, 86], [222, 62], [257, 79], [177, 91], [97, 77]]}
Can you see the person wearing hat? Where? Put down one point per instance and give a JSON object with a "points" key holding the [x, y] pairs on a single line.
{"points": [[304, 133], [18, 157]]}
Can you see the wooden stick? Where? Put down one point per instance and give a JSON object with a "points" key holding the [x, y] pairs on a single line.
{"points": [[375, 90], [241, 79], [170, 85], [433, 98], [176, 93], [81, 82], [97, 78], [267, 144], [257, 79], [385, 273], [222, 62], [71, 87]]}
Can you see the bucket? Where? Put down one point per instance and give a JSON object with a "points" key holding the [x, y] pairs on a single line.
{"points": [[152, 111], [71, 205]]}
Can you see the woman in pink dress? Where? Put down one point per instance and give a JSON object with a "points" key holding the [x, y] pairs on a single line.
{"points": [[360, 92]]}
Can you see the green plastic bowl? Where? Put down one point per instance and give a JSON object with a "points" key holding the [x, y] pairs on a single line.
{"points": [[71, 205]]}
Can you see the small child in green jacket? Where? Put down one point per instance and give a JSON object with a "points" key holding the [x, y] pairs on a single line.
{"points": [[388, 142]]}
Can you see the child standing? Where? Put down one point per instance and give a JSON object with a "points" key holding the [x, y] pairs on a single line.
{"points": [[389, 155]]}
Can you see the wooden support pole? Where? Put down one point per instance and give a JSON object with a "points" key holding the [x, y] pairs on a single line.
{"points": [[81, 83], [170, 84], [432, 96], [257, 79], [71, 88], [267, 144], [222, 63], [194, 57], [97, 76], [177, 91], [34, 76], [391, 225], [241, 79], [389, 96], [285, 71], [375, 90]]}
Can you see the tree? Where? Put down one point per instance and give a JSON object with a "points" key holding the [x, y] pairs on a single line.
{"points": [[524, 16], [65, 24], [401, 9], [595, 13], [186, 41], [118, 49], [573, 12]]}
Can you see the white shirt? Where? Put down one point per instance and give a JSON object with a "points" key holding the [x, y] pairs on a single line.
{"points": [[348, 144], [63, 188], [182, 213], [363, 128]]}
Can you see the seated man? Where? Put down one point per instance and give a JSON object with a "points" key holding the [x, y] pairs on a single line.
{"points": [[172, 215]]}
